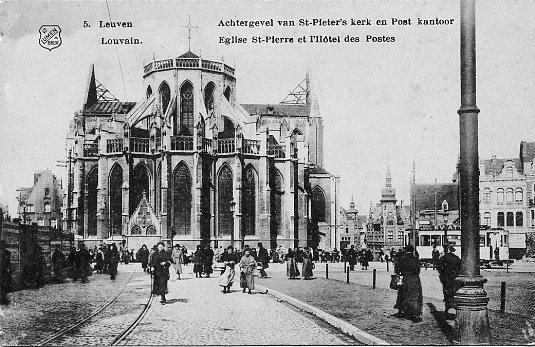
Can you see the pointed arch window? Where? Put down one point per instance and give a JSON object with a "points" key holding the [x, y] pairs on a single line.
{"points": [[209, 98], [277, 192], [139, 184], [225, 193], [206, 194], [249, 202], [318, 205], [165, 96], [186, 109], [116, 200], [227, 93], [92, 184], [182, 199], [149, 92]]}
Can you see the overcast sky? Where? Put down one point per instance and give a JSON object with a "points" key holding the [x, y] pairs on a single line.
{"points": [[382, 103]]}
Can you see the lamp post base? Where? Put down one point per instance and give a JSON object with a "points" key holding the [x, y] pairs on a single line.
{"points": [[472, 325]]}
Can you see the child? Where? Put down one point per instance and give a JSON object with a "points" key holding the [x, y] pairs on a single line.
{"points": [[227, 277]]}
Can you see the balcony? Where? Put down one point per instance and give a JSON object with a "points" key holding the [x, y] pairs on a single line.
{"points": [[182, 143], [90, 149], [277, 151], [226, 146], [114, 146], [139, 145], [250, 146], [187, 63]]}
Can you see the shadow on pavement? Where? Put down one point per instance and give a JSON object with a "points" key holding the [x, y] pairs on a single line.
{"points": [[174, 301], [440, 318]]}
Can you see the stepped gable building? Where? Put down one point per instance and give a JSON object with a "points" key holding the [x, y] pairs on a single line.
{"points": [[189, 164], [42, 203]]}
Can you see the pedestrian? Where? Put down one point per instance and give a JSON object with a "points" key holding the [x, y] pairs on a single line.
{"points": [[106, 251], [263, 258], [247, 266], [71, 263], [143, 257], [364, 262], [197, 262], [207, 260], [33, 268], [114, 261], [58, 262], [435, 256], [177, 259], [227, 277], [449, 267], [292, 270], [99, 261], [412, 297], [336, 256], [381, 255], [83, 263], [5, 273], [160, 263], [308, 264], [352, 257], [228, 256]]}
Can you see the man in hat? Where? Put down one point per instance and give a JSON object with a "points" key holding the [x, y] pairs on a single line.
{"points": [[449, 267], [263, 257], [160, 262]]}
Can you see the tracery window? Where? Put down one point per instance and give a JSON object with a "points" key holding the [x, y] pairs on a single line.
{"points": [[182, 199], [186, 109], [136, 230], [249, 202], [149, 92], [139, 184], [276, 185], [165, 96], [92, 184], [209, 98], [318, 206], [116, 200], [151, 230], [225, 192]]}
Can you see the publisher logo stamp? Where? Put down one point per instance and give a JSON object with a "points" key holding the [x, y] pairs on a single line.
{"points": [[50, 36]]}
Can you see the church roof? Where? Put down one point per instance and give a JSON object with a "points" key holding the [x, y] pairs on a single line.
{"points": [[278, 110], [109, 107], [424, 196], [318, 170], [189, 54]]}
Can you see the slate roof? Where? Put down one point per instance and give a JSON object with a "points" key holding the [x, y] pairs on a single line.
{"points": [[278, 110], [318, 170], [494, 166], [424, 196], [527, 152], [189, 54], [109, 107]]}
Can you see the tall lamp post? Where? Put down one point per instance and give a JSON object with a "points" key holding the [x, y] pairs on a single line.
{"points": [[232, 206], [472, 322]]}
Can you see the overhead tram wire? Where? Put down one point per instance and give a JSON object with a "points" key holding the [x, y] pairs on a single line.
{"points": [[118, 58]]}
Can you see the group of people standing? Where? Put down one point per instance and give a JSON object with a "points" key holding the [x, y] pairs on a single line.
{"points": [[293, 258], [409, 299], [353, 257]]}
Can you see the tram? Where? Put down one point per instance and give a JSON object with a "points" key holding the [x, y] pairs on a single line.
{"points": [[493, 242]]}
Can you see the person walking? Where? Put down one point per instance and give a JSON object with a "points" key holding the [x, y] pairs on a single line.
{"points": [[177, 259], [292, 270], [207, 260], [142, 256], [412, 297], [247, 266], [160, 263], [5, 273], [449, 267], [352, 257], [227, 278], [197, 262], [114, 261], [263, 257], [99, 261], [106, 251], [83, 263], [58, 262], [435, 257], [307, 264]]}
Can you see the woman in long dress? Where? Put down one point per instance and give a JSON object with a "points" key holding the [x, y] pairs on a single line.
{"points": [[160, 262], [292, 270], [177, 259], [247, 266], [307, 264], [412, 298], [197, 261], [227, 277]]}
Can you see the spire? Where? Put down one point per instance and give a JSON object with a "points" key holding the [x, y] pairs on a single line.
{"points": [[90, 96], [352, 203], [388, 178]]}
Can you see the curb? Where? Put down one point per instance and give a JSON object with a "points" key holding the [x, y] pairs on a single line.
{"points": [[344, 326]]}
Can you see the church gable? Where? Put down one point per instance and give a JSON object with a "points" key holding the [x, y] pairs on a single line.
{"points": [[144, 221]]}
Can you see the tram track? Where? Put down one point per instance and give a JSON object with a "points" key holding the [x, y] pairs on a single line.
{"points": [[68, 332]]}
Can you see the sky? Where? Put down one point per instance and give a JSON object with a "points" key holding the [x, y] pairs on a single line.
{"points": [[383, 104]]}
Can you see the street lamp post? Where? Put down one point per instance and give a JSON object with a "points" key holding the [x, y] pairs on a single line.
{"points": [[232, 206], [472, 321]]}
